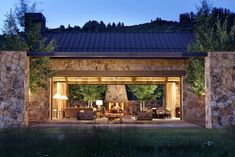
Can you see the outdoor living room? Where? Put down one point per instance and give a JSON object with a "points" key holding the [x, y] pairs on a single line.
{"points": [[112, 101]]}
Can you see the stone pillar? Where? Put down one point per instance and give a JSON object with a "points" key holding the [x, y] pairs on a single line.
{"points": [[208, 120], [14, 80], [220, 89]]}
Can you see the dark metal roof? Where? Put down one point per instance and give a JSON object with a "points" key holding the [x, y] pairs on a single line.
{"points": [[120, 45], [121, 42]]}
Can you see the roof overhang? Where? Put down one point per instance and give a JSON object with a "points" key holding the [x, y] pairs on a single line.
{"points": [[117, 55]]}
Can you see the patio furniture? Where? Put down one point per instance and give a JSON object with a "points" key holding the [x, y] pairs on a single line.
{"points": [[144, 115], [112, 116], [71, 112], [86, 114], [99, 113], [154, 112], [177, 112], [161, 112], [168, 113]]}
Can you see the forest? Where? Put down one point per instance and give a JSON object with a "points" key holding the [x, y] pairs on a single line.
{"points": [[186, 23]]}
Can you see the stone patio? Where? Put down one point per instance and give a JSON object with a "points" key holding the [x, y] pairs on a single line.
{"points": [[159, 123]]}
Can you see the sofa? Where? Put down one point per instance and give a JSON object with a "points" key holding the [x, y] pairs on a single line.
{"points": [[86, 114], [144, 115], [79, 113], [71, 112]]}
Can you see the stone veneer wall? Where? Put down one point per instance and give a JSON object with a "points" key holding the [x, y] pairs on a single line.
{"points": [[193, 106], [14, 68], [118, 64], [220, 89], [38, 108]]}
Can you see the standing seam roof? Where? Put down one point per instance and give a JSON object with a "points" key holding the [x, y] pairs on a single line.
{"points": [[120, 42]]}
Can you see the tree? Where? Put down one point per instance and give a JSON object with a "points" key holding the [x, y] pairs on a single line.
{"points": [[12, 43], [11, 39], [69, 28], [187, 18], [113, 25], [102, 26], [40, 68], [23, 7], [109, 26], [30, 40], [62, 27], [10, 24], [143, 93], [212, 30], [90, 93], [77, 28], [211, 35]]}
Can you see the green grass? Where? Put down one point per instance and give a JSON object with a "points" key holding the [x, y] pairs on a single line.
{"points": [[117, 142]]}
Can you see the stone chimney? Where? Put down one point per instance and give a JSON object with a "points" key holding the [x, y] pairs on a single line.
{"points": [[35, 18], [116, 93]]}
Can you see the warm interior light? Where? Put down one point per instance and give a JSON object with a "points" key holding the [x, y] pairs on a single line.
{"points": [[78, 79], [58, 79], [64, 97], [171, 97], [175, 79], [59, 92], [159, 79], [116, 78], [56, 96], [99, 102]]}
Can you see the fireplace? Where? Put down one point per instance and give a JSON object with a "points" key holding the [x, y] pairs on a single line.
{"points": [[116, 97], [116, 105]]}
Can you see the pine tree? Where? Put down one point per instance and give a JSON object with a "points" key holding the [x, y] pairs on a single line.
{"points": [[10, 24]]}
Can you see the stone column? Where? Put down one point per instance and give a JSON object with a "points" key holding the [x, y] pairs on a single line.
{"points": [[14, 80], [208, 120], [220, 89]]}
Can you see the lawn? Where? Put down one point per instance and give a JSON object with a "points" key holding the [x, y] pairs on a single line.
{"points": [[117, 142]]}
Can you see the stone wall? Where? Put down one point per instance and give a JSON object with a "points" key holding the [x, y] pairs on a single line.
{"points": [[38, 108], [118, 64], [193, 106], [220, 89], [14, 68]]}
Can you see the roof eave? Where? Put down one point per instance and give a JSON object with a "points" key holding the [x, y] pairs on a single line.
{"points": [[122, 55]]}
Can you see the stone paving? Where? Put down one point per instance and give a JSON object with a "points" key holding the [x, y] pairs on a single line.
{"points": [[88, 124]]}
